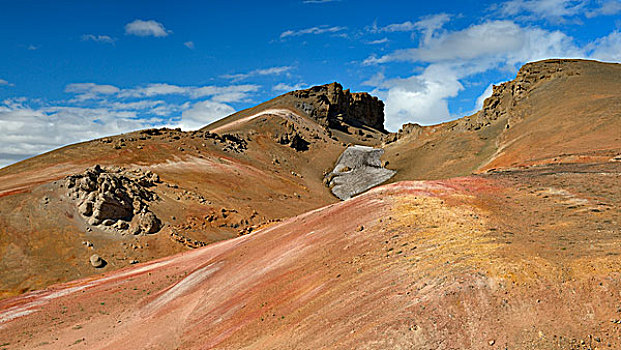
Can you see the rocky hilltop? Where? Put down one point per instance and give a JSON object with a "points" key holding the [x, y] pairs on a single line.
{"points": [[330, 105], [508, 94]]}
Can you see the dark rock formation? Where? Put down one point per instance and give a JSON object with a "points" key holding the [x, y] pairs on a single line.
{"points": [[115, 199], [329, 105]]}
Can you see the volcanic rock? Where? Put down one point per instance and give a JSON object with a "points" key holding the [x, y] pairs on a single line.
{"points": [[325, 103], [112, 198]]}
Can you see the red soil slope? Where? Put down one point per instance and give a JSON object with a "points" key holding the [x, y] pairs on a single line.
{"points": [[520, 260]]}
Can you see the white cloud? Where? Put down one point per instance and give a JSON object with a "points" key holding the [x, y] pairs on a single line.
{"points": [[608, 8], [282, 87], [607, 48], [157, 89], [489, 39], [420, 98], [378, 41], [481, 99], [203, 113], [5, 83], [398, 27], [258, 72], [90, 91], [554, 10], [428, 25], [32, 47], [146, 28], [314, 30], [98, 38], [189, 45]]}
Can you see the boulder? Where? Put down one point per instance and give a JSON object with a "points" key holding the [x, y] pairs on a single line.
{"points": [[97, 261], [358, 169]]}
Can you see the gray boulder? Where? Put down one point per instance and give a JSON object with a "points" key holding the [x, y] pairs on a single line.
{"points": [[358, 169]]}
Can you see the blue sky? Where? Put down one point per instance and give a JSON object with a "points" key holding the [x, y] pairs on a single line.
{"points": [[76, 70]]}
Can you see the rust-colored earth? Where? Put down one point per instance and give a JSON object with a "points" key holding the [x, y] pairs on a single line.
{"points": [[510, 240]]}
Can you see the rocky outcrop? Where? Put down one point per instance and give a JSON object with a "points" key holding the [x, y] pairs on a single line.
{"points": [[358, 169], [506, 95], [292, 138], [115, 199], [330, 105]]}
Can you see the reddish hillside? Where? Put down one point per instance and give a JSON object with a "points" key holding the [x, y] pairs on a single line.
{"points": [[554, 111], [214, 185], [447, 264]]}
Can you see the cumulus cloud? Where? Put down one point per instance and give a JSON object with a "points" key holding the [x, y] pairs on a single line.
{"points": [[486, 93], [146, 28], [203, 113], [98, 38], [5, 83], [258, 72], [420, 98], [607, 48], [189, 45], [492, 38], [313, 30]]}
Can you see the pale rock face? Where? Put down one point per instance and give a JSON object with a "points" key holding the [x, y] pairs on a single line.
{"points": [[358, 169]]}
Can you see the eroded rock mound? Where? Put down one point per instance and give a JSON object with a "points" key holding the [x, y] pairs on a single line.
{"points": [[358, 169], [329, 104], [115, 199]]}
